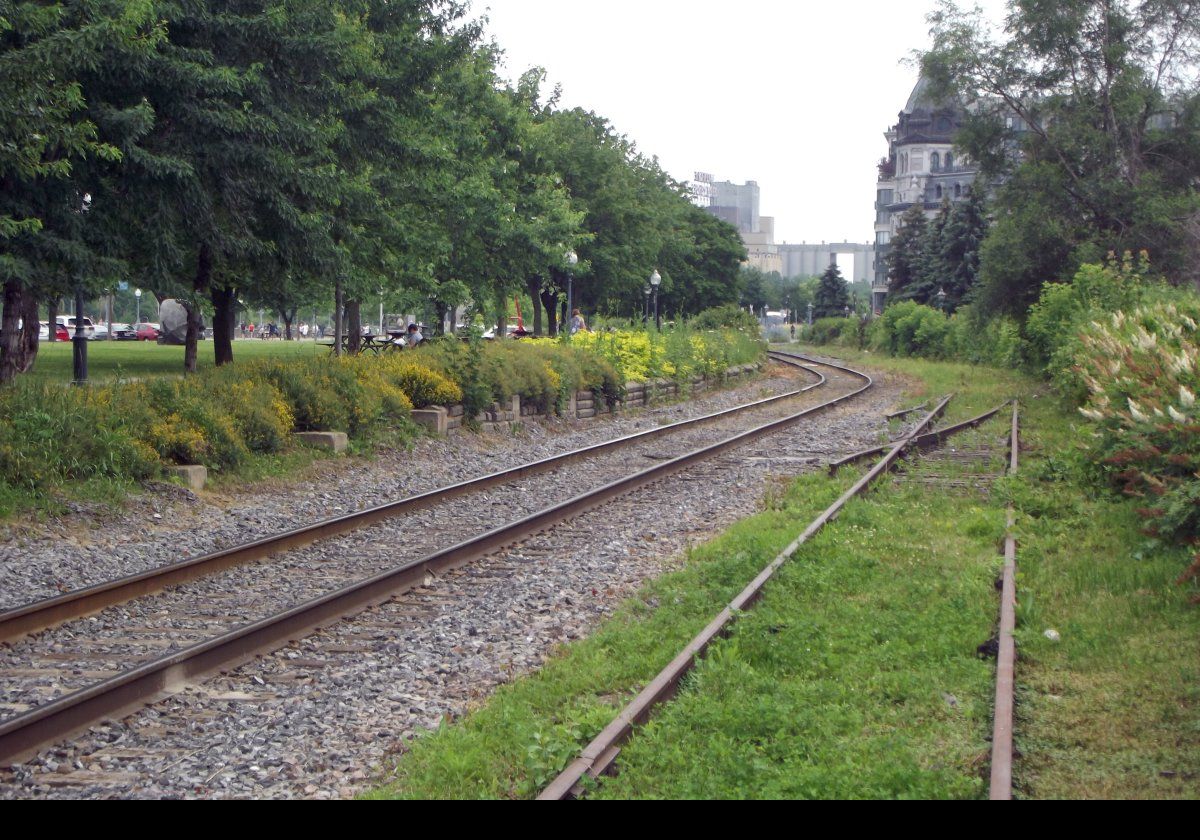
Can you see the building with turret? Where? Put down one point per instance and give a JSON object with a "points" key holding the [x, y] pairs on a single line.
{"points": [[921, 167]]}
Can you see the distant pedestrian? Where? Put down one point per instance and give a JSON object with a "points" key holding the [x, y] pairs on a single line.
{"points": [[414, 336], [793, 332], [577, 323]]}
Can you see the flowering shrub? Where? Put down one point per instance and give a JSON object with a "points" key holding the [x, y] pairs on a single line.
{"points": [[680, 354], [1141, 374]]}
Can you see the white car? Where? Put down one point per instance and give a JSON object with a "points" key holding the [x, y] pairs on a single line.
{"points": [[99, 332], [68, 321]]}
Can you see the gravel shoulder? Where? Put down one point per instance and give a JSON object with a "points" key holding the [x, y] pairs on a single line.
{"points": [[322, 716]]}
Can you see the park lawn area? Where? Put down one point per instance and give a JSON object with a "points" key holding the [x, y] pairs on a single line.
{"points": [[857, 674], [112, 360]]}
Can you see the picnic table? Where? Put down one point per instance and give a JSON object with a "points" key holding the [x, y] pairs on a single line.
{"points": [[377, 344]]}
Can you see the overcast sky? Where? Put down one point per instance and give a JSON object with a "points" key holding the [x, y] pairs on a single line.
{"points": [[794, 95]]}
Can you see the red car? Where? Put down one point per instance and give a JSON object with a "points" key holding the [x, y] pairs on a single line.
{"points": [[147, 332]]}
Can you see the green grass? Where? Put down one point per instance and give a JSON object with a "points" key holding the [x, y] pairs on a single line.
{"points": [[857, 674], [111, 360]]}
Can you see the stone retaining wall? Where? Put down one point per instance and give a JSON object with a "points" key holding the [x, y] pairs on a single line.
{"points": [[584, 405]]}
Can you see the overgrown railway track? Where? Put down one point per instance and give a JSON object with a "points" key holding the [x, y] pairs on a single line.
{"points": [[967, 468], [54, 672]]}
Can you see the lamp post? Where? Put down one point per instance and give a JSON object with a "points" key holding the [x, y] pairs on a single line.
{"points": [[79, 340], [646, 304], [810, 314], [655, 279], [572, 261], [846, 311], [941, 299], [137, 294]]}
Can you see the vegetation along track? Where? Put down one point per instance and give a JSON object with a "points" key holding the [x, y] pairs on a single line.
{"points": [[957, 469], [209, 625]]}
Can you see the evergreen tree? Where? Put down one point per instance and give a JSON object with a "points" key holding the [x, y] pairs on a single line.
{"points": [[904, 254], [831, 297], [932, 270], [962, 239]]}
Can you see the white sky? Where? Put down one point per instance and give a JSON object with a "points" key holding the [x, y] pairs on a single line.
{"points": [[794, 95]]}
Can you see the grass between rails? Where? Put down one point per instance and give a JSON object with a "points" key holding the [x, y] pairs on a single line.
{"points": [[857, 674]]}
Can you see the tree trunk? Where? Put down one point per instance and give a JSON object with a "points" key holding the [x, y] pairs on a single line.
{"points": [[501, 316], [223, 316], [29, 332], [549, 301], [52, 319], [287, 318], [337, 318], [441, 308], [354, 327], [200, 286], [534, 285], [10, 336]]}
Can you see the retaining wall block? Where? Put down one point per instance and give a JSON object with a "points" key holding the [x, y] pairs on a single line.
{"points": [[194, 476], [336, 441]]}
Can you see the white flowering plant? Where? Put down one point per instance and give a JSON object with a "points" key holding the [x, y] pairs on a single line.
{"points": [[1142, 374]]}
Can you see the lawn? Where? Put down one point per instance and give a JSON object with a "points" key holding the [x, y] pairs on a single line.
{"points": [[111, 360]]}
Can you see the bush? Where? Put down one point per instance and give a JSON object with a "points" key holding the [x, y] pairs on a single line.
{"points": [[911, 329], [1141, 372], [728, 316]]}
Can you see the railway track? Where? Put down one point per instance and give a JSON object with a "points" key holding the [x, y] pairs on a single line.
{"points": [[958, 469], [61, 681]]}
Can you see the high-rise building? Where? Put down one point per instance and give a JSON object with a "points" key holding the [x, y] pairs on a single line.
{"points": [[738, 205]]}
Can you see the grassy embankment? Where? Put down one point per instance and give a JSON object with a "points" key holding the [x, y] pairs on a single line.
{"points": [[857, 675]]}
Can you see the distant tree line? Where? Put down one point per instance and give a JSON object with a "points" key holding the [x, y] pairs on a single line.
{"points": [[285, 153]]}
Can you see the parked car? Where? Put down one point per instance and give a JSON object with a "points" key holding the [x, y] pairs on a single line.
{"points": [[68, 321], [148, 332], [60, 332], [125, 332], [99, 333]]}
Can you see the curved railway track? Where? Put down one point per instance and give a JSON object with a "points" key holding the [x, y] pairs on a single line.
{"points": [[184, 634]]}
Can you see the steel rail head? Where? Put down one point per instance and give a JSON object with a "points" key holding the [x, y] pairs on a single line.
{"points": [[924, 441], [598, 755], [29, 731], [1000, 782], [20, 621]]}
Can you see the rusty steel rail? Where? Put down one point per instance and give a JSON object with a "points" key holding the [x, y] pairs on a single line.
{"points": [[598, 756], [1000, 786], [25, 734], [49, 612], [904, 412], [925, 441]]}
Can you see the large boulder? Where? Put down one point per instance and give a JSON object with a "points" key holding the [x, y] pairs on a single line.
{"points": [[172, 317]]}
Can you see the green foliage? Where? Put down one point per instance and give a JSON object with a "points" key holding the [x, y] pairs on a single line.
{"points": [[910, 329], [728, 316], [831, 297]]}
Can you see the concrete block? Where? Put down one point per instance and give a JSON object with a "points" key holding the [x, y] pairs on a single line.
{"points": [[455, 411], [435, 418], [193, 475], [336, 441], [584, 413]]}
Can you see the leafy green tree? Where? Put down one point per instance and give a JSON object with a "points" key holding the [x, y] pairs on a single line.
{"points": [[1088, 110], [831, 297]]}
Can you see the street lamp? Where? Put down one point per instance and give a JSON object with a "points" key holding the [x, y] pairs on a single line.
{"points": [[646, 304], [137, 293], [846, 311], [572, 261], [941, 299], [810, 313], [79, 340], [655, 279]]}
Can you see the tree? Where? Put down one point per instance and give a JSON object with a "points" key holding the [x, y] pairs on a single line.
{"points": [[831, 297], [962, 240], [932, 269], [904, 255], [1089, 111]]}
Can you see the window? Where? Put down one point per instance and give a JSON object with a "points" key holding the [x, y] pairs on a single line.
{"points": [[934, 161], [949, 160], [958, 190], [938, 191]]}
